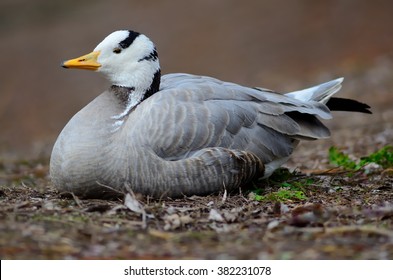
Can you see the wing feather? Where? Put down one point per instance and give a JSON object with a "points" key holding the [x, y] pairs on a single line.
{"points": [[199, 112]]}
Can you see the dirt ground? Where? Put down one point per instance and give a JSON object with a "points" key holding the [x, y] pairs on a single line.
{"points": [[343, 215]]}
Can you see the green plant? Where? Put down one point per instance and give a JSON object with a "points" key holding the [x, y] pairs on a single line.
{"points": [[290, 187], [382, 157], [281, 195], [338, 158]]}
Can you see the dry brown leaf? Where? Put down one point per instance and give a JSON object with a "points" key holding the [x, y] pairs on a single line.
{"points": [[214, 215]]}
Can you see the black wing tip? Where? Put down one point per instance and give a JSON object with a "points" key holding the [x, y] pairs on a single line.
{"points": [[347, 105]]}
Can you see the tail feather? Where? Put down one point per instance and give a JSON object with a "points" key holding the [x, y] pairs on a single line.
{"points": [[320, 93], [348, 105], [323, 93]]}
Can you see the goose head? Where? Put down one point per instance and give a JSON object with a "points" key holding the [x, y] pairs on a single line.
{"points": [[127, 58]]}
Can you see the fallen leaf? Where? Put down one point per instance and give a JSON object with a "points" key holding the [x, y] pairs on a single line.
{"points": [[214, 215], [175, 221], [133, 204], [309, 213]]}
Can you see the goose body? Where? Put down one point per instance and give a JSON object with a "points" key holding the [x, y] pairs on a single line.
{"points": [[179, 134]]}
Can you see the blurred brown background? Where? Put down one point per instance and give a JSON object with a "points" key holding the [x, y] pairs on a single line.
{"points": [[282, 45]]}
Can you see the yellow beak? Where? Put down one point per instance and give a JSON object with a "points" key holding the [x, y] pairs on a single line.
{"points": [[87, 62]]}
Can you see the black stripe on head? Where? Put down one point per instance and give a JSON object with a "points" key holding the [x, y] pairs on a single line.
{"points": [[130, 38], [155, 85], [150, 57]]}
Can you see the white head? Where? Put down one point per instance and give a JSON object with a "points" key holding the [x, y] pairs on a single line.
{"points": [[126, 58]]}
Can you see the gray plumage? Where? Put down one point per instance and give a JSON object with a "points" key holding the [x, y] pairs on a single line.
{"points": [[196, 135]]}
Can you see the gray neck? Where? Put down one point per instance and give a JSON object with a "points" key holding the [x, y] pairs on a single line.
{"points": [[122, 94], [129, 97]]}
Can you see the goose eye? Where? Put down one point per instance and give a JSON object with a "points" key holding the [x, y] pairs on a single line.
{"points": [[117, 50]]}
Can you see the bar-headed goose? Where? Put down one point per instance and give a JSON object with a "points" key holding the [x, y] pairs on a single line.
{"points": [[179, 134]]}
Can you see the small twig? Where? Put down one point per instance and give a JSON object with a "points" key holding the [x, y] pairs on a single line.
{"points": [[77, 200], [132, 203], [224, 196], [108, 187], [364, 229], [348, 229]]}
